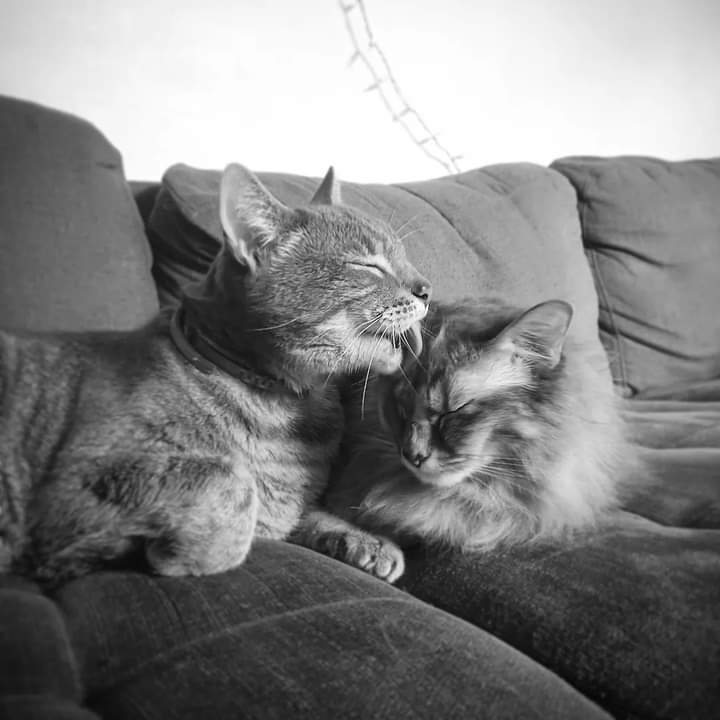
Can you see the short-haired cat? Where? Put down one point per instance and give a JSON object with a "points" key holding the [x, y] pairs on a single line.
{"points": [[215, 424], [504, 429]]}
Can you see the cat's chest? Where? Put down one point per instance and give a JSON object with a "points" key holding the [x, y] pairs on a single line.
{"points": [[295, 430], [287, 446]]}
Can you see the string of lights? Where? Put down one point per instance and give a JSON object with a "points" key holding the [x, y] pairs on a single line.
{"points": [[368, 52]]}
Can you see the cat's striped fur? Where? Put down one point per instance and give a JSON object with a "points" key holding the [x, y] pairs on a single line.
{"points": [[504, 430], [112, 442]]}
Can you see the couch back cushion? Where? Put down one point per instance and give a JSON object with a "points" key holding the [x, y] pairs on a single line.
{"points": [[73, 250], [510, 230], [651, 230]]}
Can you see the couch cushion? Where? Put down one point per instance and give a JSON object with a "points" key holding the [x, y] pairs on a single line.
{"points": [[38, 674], [294, 634], [652, 232], [630, 616], [508, 229], [73, 252], [678, 439]]}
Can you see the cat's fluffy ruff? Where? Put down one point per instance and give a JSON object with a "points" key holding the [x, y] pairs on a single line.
{"points": [[113, 441], [539, 452]]}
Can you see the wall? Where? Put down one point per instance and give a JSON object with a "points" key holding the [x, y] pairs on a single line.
{"points": [[210, 81]]}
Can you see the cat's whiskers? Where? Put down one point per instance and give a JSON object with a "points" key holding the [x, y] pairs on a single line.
{"points": [[507, 480], [365, 327], [314, 340], [505, 469], [273, 327], [367, 374], [407, 234], [404, 374], [349, 345], [398, 230], [500, 462]]}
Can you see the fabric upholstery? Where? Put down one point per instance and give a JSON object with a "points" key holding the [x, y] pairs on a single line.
{"points": [[294, 634], [511, 230], [630, 616], [678, 481], [38, 674], [652, 233], [73, 252]]}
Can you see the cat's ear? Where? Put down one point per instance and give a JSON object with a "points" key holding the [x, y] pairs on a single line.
{"points": [[251, 217], [538, 335], [328, 192]]}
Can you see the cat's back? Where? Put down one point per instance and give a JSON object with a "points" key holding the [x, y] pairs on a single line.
{"points": [[33, 368], [116, 397], [52, 383]]}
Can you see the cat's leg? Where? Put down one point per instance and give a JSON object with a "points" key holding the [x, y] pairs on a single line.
{"points": [[209, 533], [71, 534], [85, 555], [199, 518], [333, 536], [14, 481]]}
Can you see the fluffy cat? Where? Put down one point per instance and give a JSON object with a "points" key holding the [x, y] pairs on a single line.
{"points": [[504, 429], [191, 436]]}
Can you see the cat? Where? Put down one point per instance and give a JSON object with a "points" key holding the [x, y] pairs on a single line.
{"points": [[184, 440], [504, 429]]}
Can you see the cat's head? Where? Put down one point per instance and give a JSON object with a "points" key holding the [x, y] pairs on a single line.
{"points": [[479, 388], [316, 290]]}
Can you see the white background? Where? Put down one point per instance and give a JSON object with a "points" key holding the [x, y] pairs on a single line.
{"points": [[207, 82]]}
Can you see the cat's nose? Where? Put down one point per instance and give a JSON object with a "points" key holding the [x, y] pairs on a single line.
{"points": [[422, 289], [415, 457]]}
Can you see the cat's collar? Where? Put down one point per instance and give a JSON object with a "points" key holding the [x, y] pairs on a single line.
{"points": [[208, 357]]}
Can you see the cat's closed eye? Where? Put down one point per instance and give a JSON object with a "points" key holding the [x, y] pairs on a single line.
{"points": [[461, 407], [376, 265]]}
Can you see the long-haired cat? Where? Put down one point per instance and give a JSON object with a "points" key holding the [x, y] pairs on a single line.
{"points": [[206, 428], [504, 429]]}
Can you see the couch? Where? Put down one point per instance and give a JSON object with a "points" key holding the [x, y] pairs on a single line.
{"points": [[620, 622]]}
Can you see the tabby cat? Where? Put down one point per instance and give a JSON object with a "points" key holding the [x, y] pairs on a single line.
{"points": [[504, 429], [212, 425]]}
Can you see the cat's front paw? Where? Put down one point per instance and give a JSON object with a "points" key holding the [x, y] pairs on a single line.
{"points": [[375, 555]]}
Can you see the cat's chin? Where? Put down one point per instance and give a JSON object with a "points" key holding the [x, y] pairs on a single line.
{"points": [[386, 364], [382, 356], [435, 477]]}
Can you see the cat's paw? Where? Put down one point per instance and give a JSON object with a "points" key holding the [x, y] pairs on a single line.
{"points": [[375, 555]]}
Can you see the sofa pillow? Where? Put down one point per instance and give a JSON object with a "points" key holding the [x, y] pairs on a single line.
{"points": [[73, 251], [652, 233], [506, 229]]}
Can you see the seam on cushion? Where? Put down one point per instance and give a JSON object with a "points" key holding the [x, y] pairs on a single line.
{"points": [[506, 186], [611, 316], [509, 195], [438, 212], [603, 289], [122, 677]]}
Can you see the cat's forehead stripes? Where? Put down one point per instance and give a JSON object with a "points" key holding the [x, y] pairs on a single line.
{"points": [[365, 234], [483, 378]]}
